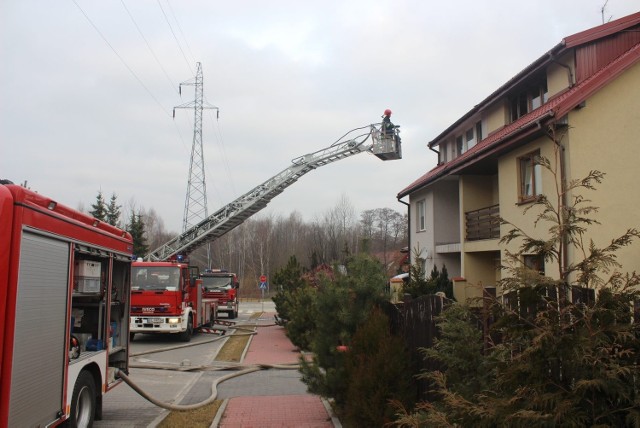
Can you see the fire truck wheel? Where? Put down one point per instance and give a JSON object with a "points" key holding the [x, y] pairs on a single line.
{"points": [[234, 313], [186, 335], [83, 402], [131, 336]]}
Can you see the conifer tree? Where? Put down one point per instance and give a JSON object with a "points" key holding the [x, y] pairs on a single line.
{"points": [[99, 208], [137, 230], [342, 304], [113, 211], [287, 281], [418, 284]]}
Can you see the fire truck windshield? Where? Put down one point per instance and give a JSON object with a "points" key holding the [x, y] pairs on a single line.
{"points": [[155, 278], [211, 283]]}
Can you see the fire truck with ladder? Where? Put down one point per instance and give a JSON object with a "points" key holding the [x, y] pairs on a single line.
{"points": [[64, 305], [153, 310]]}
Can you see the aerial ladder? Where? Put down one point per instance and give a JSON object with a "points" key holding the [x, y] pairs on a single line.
{"points": [[385, 144]]}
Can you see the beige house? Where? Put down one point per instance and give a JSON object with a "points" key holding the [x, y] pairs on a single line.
{"points": [[584, 92]]}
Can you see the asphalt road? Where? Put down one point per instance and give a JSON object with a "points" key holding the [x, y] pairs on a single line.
{"points": [[123, 407]]}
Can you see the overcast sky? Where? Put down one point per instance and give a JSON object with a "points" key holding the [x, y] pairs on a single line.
{"points": [[88, 87]]}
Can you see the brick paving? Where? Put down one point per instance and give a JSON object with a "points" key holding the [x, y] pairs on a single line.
{"points": [[284, 405], [276, 411]]}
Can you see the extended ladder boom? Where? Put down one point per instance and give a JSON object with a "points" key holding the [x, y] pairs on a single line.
{"points": [[386, 147]]}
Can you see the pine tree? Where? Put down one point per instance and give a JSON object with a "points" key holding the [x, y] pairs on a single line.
{"points": [[295, 302], [418, 284], [342, 304], [113, 211], [136, 229], [287, 280], [99, 209]]}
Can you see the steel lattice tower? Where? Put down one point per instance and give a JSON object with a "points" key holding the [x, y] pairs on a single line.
{"points": [[195, 206]]}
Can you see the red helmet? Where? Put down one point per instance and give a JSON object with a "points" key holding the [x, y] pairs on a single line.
{"points": [[387, 112]]}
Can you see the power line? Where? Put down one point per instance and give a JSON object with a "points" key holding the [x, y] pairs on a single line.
{"points": [[121, 59], [173, 88], [175, 38], [217, 131], [186, 42]]}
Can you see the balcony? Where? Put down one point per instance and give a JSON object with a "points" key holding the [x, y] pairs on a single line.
{"points": [[483, 223]]}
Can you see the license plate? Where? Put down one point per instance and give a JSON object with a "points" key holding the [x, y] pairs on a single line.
{"points": [[156, 320]]}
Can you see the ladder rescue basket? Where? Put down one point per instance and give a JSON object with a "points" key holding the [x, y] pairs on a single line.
{"points": [[386, 144]]}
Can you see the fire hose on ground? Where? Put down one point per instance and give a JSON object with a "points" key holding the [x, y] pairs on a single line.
{"points": [[238, 371]]}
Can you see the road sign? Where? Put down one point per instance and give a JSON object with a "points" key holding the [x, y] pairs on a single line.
{"points": [[263, 285], [263, 278]]}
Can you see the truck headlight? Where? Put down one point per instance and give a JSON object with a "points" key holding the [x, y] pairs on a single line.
{"points": [[173, 320]]}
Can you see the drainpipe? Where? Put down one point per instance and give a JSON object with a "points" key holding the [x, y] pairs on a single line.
{"points": [[434, 151], [569, 72]]}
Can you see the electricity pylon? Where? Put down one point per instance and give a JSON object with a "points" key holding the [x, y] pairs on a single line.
{"points": [[195, 206]]}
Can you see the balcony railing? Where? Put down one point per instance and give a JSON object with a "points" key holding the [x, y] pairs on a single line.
{"points": [[483, 223]]}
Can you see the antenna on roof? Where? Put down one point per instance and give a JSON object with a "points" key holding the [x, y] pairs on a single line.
{"points": [[604, 6]]}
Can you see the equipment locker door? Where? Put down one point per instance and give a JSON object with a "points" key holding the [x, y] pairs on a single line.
{"points": [[39, 346]]}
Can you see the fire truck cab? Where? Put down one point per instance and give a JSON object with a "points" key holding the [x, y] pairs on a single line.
{"points": [[223, 286], [167, 297], [64, 305]]}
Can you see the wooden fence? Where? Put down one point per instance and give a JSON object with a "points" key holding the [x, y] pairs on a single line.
{"points": [[415, 321]]}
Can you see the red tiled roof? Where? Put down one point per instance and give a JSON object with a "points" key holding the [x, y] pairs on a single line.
{"points": [[556, 107]]}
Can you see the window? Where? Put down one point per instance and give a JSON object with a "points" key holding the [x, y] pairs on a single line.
{"points": [[468, 139], [529, 98], [478, 131], [540, 95], [421, 221], [530, 177]]}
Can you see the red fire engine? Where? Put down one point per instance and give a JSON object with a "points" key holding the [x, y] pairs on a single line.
{"points": [[167, 297], [64, 291], [222, 285]]}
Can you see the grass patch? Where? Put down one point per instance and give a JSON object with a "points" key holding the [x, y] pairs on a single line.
{"points": [[198, 418], [231, 351]]}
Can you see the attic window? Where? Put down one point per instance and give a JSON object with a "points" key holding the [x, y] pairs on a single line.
{"points": [[468, 139], [528, 98]]}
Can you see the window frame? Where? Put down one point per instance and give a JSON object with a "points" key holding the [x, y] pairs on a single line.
{"points": [[534, 179], [528, 98], [467, 139], [421, 215]]}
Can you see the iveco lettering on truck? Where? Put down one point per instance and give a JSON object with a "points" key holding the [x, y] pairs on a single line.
{"points": [[64, 305]]}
